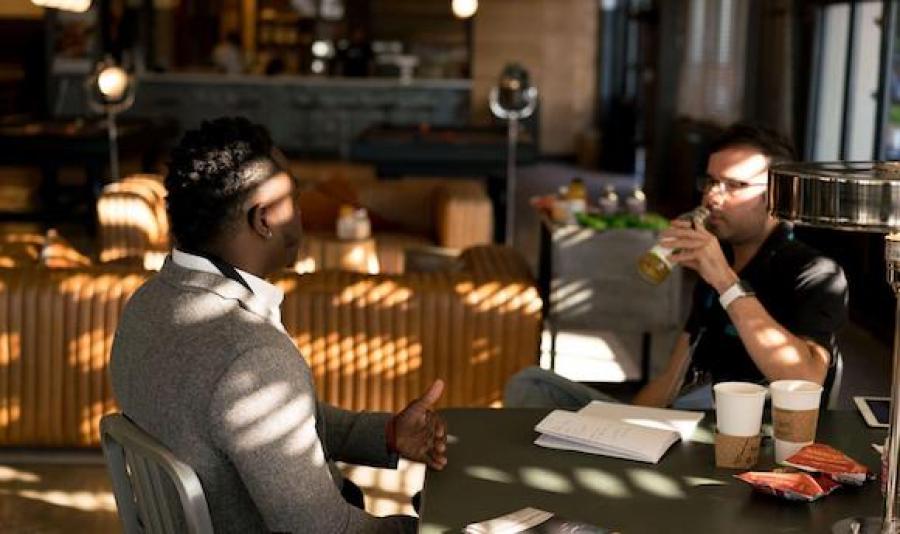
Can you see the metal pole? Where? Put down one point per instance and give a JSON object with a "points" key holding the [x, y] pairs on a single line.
{"points": [[815, 82], [893, 443], [113, 146], [849, 93], [512, 134], [892, 255], [885, 69], [887, 523]]}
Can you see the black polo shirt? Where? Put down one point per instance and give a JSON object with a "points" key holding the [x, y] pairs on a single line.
{"points": [[804, 291]]}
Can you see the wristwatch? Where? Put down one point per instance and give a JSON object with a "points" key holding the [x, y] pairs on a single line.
{"points": [[737, 290]]}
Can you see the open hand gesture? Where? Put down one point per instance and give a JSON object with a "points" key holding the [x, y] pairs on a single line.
{"points": [[421, 434]]}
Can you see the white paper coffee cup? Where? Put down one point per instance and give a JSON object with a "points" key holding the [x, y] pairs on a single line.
{"points": [[795, 413], [795, 394], [739, 407]]}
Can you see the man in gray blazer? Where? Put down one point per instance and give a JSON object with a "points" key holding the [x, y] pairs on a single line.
{"points": [[201, 360]]}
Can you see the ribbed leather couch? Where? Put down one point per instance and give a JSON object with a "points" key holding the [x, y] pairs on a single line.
{"points": [[373, 341], [133, 219]]}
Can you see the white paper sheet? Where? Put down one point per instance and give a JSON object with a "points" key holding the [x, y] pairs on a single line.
{"points": [[605, 436], [683, 422]]}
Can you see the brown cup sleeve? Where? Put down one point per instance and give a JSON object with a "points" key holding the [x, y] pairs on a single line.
{"points": [[796, 426], [736, 452]]}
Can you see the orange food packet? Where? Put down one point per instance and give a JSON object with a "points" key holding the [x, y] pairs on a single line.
{"points": [[820, 458], [790, 486]]}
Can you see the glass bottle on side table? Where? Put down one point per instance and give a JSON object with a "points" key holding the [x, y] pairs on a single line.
{"points": [[576, 196], [608, 201]]}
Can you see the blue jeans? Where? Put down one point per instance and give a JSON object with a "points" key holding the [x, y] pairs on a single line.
{"points": [[534, 387]]}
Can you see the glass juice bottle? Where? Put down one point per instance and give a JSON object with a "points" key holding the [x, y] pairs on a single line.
{"points": [[654, 265]]}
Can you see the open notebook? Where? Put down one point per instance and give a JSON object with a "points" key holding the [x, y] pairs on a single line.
{"points": [[618, 430]]}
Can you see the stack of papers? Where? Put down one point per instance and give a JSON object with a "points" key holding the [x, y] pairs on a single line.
{"points": [[512, 523], [618, 430], [532, 521]]}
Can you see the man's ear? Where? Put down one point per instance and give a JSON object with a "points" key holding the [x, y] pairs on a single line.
{"points": [[257, 219]]}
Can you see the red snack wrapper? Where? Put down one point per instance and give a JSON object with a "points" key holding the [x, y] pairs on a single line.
{"points": [[790, 486], [820, 458]]}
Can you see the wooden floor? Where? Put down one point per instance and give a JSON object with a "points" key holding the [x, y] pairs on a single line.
{"points": [[48, 498]]}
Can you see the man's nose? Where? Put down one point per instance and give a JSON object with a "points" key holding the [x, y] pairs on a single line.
{"points": [[715, 194]]}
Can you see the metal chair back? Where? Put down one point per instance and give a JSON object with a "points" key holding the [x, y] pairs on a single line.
{"points": [[155, 492]]}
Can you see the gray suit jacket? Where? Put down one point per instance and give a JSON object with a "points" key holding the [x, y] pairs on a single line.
{"points": [[196, 363]]}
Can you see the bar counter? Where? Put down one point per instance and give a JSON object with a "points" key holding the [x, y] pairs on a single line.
{"points": [[305, 114]]}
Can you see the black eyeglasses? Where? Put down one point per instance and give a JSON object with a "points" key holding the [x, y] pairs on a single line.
{"points": [[728, 186]]}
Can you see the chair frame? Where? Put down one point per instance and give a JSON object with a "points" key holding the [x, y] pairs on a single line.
{"points": [[142, 488], [834, 393]]}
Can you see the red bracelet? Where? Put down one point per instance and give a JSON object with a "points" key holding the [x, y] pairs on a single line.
{"points": [[390, 432]]}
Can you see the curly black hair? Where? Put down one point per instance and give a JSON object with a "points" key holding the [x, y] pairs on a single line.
{"points": [[211, 172], [769, 142]]}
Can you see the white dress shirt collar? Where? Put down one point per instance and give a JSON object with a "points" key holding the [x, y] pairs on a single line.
{"points": [[270, 294]]}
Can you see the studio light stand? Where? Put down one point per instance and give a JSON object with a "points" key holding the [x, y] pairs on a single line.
{"points": [[512, 99], [110, 91]]}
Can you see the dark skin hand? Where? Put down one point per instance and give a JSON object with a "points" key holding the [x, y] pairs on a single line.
{"points": [[421, 434]]}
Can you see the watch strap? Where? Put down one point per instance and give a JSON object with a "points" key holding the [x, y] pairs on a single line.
{"points": [[737, 290]]}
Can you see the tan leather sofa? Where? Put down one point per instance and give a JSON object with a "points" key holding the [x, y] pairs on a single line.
{"points": [[373, 341], [132, 219], [406, 214]]}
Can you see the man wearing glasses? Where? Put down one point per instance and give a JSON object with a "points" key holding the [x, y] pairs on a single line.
{"points": [[766, 306]]}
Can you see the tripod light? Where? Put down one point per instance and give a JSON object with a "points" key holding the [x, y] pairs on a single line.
{"points": [[857, 196], [512, 99], [110, 90]]}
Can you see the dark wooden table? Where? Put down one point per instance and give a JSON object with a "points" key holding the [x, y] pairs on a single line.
{"points": [[494, 468]]}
